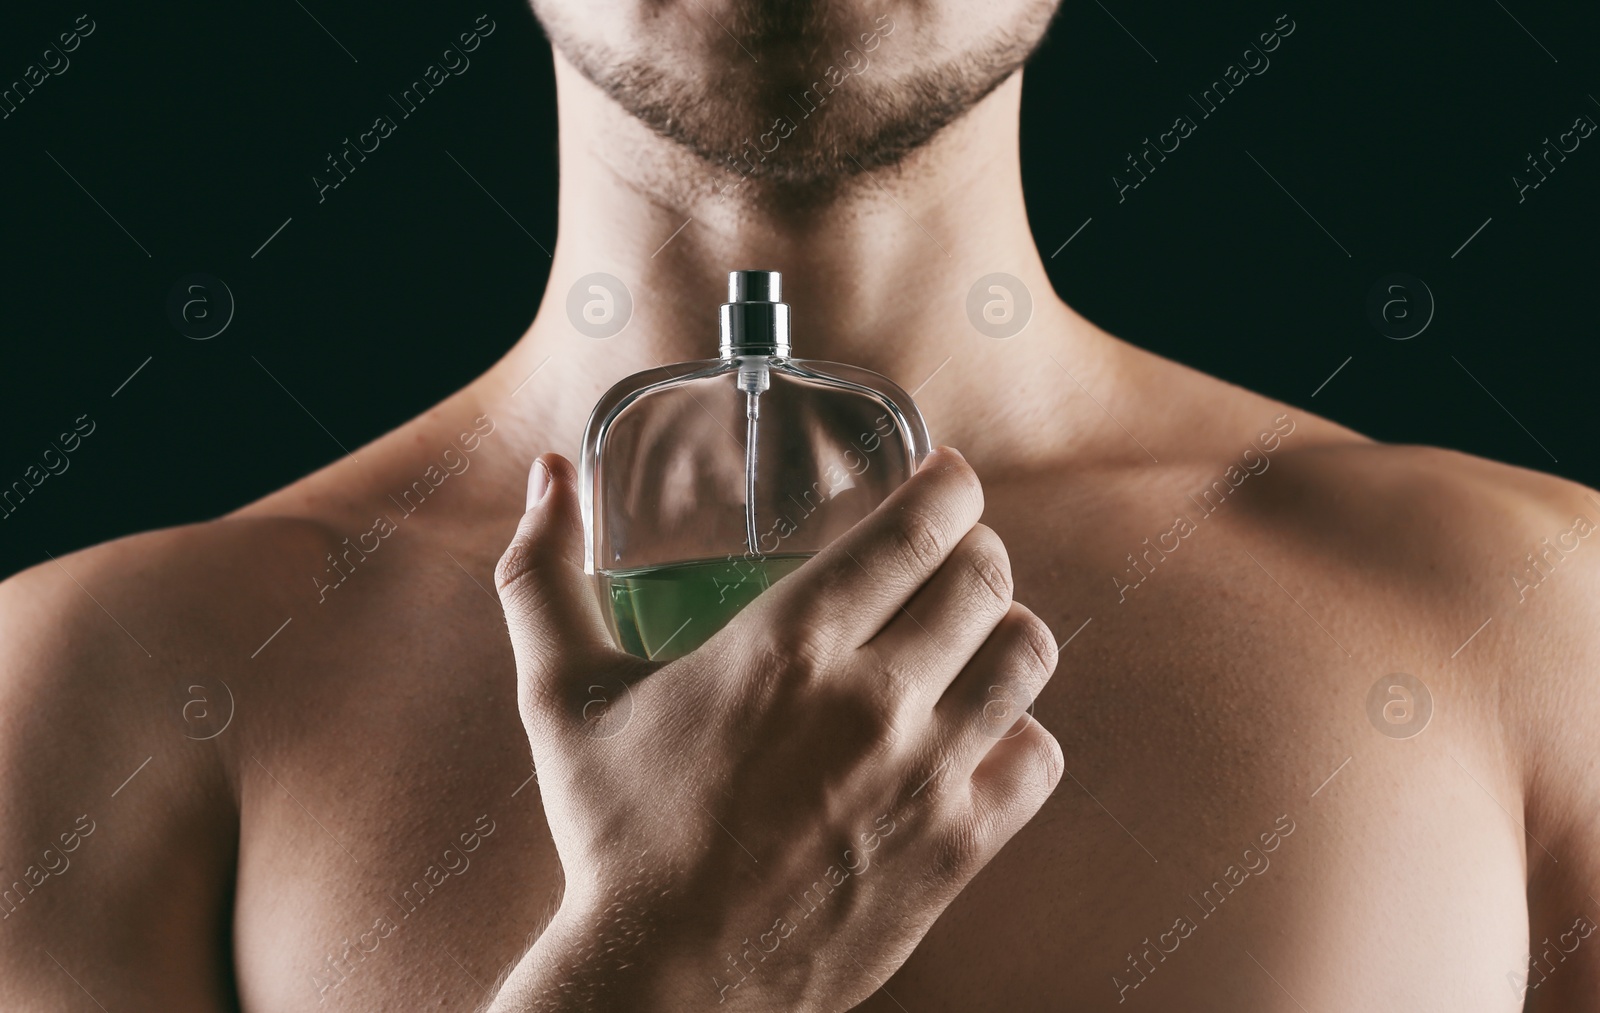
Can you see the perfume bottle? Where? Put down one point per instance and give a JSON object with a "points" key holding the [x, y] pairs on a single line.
{"points": [[704, 482]]}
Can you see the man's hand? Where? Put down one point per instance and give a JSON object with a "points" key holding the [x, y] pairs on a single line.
{"points": [[776, 819]]}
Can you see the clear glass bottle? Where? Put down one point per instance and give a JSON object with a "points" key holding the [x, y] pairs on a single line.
{"points": [[704, 482]]}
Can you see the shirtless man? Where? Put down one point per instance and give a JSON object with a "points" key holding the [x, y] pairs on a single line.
{"points": [[1327, 707]]}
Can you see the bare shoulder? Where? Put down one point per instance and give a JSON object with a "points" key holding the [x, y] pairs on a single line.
{"points": [[109, 692], [1465, 527], [168, 600], [1500, 567], [1506, 566], [106, 646], [1482, 579], [1492, 567], [1459, 540]]}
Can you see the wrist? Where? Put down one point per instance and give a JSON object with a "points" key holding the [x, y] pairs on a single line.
{"points": [[612, 958], [613, 955]]}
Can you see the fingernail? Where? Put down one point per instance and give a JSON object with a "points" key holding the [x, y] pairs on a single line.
{"points": [[941, 450], [538, 483]]}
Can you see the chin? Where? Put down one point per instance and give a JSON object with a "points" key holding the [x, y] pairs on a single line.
{"points": [[796, 93]]}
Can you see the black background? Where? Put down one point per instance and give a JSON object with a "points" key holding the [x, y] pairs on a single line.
{"points": [[1398, 127]]}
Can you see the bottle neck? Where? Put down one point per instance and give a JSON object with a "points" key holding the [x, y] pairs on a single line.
{"points": [[754, 376]]}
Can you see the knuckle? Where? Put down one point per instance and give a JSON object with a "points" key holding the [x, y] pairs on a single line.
{"points": [[880, 731], [884, 689], [526, 601], [1048, 756], [1037, 768], [515, 564], [959, 850], [990, 570], [1033, 646], [800, 649], [888, 741], [892, 674], [997, 712], [918, 536], [879, 683]]}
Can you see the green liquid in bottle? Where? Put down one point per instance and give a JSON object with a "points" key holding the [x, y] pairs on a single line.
{"points": [[664, 612]]}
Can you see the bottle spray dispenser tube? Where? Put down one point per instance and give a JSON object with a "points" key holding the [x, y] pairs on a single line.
{"points": [[683, 525]]}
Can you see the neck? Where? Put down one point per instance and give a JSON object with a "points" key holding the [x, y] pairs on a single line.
{"points": [[878, 270]]}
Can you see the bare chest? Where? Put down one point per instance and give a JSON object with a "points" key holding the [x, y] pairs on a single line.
{"points": [[393, 848], [1234, 830]]}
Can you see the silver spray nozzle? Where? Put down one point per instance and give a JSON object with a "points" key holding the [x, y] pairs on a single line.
{"points": [[755, 320]]}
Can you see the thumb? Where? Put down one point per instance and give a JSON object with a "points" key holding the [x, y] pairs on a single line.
{"points": [[551, 608]]}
